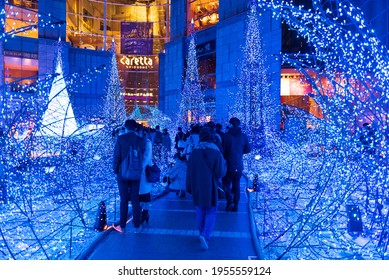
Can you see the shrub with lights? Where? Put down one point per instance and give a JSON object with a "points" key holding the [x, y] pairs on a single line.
{"points": [[331, 204]]}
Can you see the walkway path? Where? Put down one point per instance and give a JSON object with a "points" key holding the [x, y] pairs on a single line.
{"points": [[172, 234]]}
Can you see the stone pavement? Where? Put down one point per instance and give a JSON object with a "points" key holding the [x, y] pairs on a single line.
{"points": [[171, 234]]}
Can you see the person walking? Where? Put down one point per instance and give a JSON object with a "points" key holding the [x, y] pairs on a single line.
{"points": [[219, 130], [122, 146], [216, 137], [235, 145], [145, 186], [166, 144], [192, 141], [177, 174], [157, 144], [179, 139], [205, 167]]}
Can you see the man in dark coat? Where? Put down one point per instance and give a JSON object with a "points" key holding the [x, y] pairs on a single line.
{"points": [[235, 144], [205, 167], [122, 146], [216, 137], [180, 136], [218, 130]]}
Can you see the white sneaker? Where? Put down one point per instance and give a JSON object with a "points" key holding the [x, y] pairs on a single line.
{"points": [[118, 228]]}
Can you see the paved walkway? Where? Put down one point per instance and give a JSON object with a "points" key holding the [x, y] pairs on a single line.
{"points": [[172, 234]]}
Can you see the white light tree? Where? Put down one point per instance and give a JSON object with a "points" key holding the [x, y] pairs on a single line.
{"points": [[114, 106], [192, 106], [58, 119], [252, 103]]}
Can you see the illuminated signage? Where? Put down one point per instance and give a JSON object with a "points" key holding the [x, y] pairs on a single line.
{"points": [[139, 94], [137, 62], [21, 54]]}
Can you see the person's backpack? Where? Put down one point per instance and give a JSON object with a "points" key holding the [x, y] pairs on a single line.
{"points": [[132, 164], [153, 173], [158, 137]]}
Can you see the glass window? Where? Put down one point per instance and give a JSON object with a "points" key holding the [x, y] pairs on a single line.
{"points": [[207, 64], [204, 13], [125, 23], [22, 18], [20, 70], [140, 79], [139, 30]]}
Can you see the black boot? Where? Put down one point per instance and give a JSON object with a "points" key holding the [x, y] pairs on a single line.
{"points": [[181, 194], [145, 216]]}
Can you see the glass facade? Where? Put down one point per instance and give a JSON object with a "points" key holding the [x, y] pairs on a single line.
{"points": [[206, 55], [139, 30], [21, 18], [203, 13], [20, 68]]}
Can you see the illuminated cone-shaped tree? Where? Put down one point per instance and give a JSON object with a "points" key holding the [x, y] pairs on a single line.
{"points": [[114, 107], [192, 107], [58, 119], [252, 103]]}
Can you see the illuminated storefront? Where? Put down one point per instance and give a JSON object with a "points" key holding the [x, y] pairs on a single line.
{"points": [[140, 76], [139, 30]]}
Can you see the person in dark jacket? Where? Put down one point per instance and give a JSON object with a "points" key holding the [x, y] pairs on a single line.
{"points": [[205, 167], [180, 136], [219, 130], [123, 143], [216, 137], [235, 145]]}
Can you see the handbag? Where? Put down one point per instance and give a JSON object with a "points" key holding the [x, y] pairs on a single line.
{"points": [[153, 173]]}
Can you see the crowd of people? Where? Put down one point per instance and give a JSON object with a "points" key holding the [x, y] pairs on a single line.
{"points": [[205, 158]]}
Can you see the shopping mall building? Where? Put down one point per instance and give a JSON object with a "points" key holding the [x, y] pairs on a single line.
{"points": [[150, 41]]}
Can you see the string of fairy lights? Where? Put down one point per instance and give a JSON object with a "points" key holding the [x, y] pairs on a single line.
{"points": [[49, 177], [252, 102], [192, 106], [302, 208], [114, 107], [302, 188], [55, 168], [16, 21]]}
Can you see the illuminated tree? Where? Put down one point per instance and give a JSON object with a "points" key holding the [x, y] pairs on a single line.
{"points": [[114, 107], [58, 119], [252, 101], [192, 107]]}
